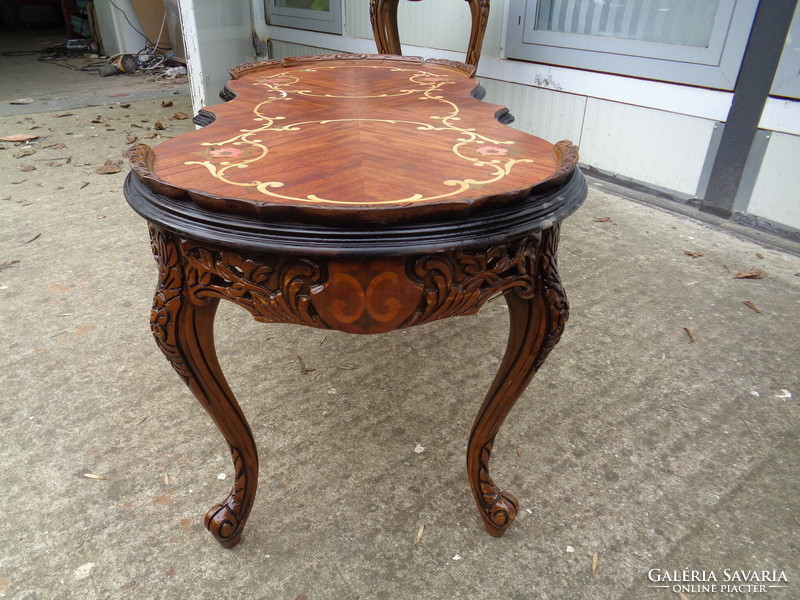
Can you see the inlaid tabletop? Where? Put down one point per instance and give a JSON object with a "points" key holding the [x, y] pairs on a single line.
{"points": [[360, 138]]}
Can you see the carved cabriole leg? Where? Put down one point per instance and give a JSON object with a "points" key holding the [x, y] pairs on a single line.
{"points": [[536, 322], [183, 329]]}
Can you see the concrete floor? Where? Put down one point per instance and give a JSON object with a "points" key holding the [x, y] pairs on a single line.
{"points": [[634, 444]]}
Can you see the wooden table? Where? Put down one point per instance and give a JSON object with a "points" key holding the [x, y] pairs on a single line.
{"points": [[362, 194]]}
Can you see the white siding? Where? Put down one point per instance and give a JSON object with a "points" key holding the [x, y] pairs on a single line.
{"points": [[775, 195], [279, 50], [663, 149], [548, 114]]}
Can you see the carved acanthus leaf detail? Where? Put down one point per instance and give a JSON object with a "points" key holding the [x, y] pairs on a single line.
{"points": [[273, 289], [167, 299], [557, 304], [460, 282]]}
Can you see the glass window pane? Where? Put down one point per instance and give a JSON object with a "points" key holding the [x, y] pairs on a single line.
{"points": [[678, 22], [323, 5]]}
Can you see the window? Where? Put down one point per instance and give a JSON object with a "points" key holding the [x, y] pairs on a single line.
{"points": [[698, 42], [316, 15]]}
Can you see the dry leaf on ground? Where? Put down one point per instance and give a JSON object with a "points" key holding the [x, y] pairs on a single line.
{"points": [[752, 274], [303, 369], [8, 264], [602, 219], [25, 152], [159, 125], [27, 168], [693, 254], [689, 333], [749, 304], [109, 168], [179, 116], [166, 103], [18, 137]]}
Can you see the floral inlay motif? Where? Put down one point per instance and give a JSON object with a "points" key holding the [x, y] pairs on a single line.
{"points": [[491, 151], [226, 152], [494, 158]]}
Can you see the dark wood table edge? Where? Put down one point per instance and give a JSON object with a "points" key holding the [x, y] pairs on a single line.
{"points": [[535, 213]]}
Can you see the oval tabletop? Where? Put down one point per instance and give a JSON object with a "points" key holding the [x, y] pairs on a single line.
{"points": [[354, 138]]}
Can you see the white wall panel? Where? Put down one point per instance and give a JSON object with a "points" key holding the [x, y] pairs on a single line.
{"points": [[279, 50], [663, 149], [775, 195], [548, 114], [356, 19]]}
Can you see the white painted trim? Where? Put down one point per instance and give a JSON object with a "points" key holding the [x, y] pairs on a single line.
{"points": [[782, 115], [191, 44], [681, 99], [670, 97], [258, 11]]}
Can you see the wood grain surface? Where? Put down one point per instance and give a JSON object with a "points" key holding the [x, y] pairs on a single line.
{"points": [[364, 138]]}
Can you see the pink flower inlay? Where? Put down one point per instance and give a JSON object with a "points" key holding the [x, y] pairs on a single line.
{"points": [[226, 152], [491, 151]]}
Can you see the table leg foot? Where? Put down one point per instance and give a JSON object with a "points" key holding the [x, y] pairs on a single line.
{"points": [[504, 510], [536, 320], [226, 521]]}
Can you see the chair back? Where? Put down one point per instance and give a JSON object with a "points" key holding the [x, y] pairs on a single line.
{"points": [[383, 15]]}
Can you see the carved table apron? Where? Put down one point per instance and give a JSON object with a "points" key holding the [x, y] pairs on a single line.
{"points": [[362, 194]]}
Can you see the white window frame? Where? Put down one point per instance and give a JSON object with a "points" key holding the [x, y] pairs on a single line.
{"points": [[787, 78], [715, 66], [313, 20]]}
